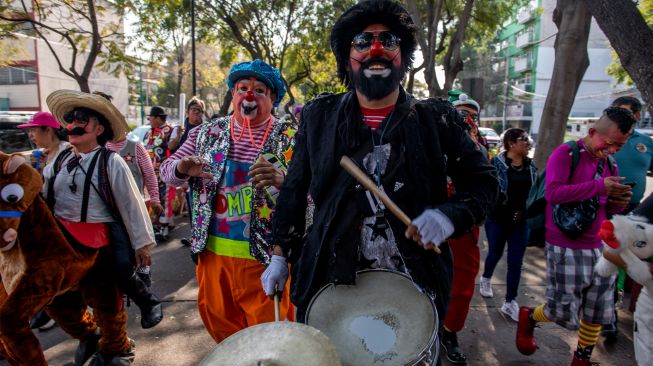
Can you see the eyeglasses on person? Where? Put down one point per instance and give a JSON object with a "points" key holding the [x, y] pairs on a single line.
{"points": [[467, 114], [363, 41], [80, 115]]}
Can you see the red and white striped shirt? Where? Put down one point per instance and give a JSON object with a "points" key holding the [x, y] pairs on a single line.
{"points": [[145, 163], [374, 117], [242, 150]]}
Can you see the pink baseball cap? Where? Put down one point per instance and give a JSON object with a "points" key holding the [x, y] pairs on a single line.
{"points": [[42, 119]]}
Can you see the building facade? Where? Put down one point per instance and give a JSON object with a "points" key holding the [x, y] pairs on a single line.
{"points": [[34, 71], [526, 46]]}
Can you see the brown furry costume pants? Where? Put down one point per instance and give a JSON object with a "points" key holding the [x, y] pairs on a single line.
{"points": [[98, 289]]}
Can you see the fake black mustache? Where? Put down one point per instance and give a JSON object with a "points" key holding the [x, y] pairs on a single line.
{"points": [[77, 131]]}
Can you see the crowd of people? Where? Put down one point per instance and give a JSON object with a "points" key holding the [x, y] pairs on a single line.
{"points": [[274, 215]]}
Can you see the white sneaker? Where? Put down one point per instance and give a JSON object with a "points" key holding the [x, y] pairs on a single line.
{"points": [[511, 309], [49, 325], [486, 287]]}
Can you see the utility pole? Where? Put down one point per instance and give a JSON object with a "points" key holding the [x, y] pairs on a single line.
{"points": [[192, 36], [140, 92], [505, 89]]}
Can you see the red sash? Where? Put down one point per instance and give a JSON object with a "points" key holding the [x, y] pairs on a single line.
{"points": [[92, 235]]}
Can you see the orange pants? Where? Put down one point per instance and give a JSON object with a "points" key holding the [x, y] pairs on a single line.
{"points": [[231, 298]]}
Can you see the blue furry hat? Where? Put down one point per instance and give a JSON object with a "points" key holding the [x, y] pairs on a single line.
{"points": [[263, 72]]}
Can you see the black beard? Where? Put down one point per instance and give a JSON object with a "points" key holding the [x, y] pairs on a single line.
{"points": [[376, 87]]}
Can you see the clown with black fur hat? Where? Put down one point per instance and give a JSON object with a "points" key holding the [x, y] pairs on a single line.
{"points": [[407, 147]]}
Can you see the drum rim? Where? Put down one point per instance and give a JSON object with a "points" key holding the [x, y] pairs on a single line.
{"points": [[434, 335]]}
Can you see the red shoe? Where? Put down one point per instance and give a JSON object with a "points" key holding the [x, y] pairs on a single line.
{"points": [[578, 362], [525, 332]]}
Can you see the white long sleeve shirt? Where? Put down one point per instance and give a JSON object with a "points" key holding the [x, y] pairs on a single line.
{"points": [[129, 201]]}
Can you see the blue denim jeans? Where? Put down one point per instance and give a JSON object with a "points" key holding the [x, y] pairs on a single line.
{"points": [[516, 236]]}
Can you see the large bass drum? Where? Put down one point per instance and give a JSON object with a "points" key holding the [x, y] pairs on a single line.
{"points": [[274, 344], [383, 320]]}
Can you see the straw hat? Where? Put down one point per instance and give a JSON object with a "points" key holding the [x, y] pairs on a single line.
{"points": [[62, 101]]}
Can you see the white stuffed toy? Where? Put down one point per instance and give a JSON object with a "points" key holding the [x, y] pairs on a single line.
{"points": [[631, 237]]}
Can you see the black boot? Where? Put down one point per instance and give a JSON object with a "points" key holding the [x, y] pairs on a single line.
{"points": [[100, 359], [39, 320], [450, 343], [86, 348], [149, 303]]}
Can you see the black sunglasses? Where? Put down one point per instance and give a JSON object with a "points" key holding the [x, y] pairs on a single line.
{"points": [[363, 41], [79, 115]]}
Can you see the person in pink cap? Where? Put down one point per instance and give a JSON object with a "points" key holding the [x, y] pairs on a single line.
{"points": [[45, 132]]}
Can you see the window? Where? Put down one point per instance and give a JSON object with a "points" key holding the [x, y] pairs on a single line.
{"points": [[17, 75]]}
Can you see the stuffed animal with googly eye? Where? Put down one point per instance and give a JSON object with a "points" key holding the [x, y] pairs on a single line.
{"points": [[630, 237]]}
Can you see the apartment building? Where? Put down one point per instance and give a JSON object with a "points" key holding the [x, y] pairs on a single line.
{"points": [[526, 48]]}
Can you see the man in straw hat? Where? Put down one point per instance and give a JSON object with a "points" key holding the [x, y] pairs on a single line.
{"points": [[82, 190], [236, 164], [408, 148]]}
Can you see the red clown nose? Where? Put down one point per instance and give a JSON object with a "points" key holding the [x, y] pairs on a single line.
{"points": [[376, 50], [249, 96]]}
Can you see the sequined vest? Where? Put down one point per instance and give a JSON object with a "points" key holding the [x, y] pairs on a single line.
{"points": [[212, 144]]}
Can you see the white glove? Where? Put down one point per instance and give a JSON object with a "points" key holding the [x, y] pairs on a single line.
{"points": [[275, 275], [433, 226]]}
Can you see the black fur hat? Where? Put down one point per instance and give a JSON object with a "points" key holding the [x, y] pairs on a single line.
{"points": [[361, 15]]}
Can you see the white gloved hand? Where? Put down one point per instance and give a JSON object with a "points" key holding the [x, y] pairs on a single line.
{"points": [[275, 275], [433, 226]]}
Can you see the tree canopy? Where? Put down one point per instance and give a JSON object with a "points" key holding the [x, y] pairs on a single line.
{"points": [[81, 35]]}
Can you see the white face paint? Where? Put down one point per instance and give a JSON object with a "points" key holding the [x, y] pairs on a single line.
{"points": [[383, 72], [251, 96], [248, 109]]}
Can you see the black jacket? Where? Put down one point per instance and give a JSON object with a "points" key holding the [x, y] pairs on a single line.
{"points": [[429, 143]]}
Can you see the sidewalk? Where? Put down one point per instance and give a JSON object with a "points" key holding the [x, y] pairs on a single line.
{"points": [[488, 338]]}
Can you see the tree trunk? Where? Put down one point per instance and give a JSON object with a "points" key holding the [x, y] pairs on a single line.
{"points": [[573, 19], [410, 84], [226, 103], [83, 84], [453, 62], [631, 38]]}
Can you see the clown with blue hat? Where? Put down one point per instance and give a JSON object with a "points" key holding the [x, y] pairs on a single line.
{"points": [[235, 166]]}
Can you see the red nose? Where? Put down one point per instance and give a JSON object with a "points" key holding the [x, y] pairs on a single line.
{"points": [[249, 96], [376, 50], [69, 127]]}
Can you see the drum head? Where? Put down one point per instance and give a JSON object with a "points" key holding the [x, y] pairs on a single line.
{"points": [[274, 344], [382, 320]]}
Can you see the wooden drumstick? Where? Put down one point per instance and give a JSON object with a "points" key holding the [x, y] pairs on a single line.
{"points": [[276, 306], [363, 179]]}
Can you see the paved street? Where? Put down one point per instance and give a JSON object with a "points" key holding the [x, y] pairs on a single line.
{"points": [[488, 338]]}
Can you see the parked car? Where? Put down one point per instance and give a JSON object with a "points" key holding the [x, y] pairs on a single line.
{"points": [[491, 136], [12, 138], [138, 133]]}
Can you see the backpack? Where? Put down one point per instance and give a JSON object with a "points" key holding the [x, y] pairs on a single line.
{"points": [[536, 203]]}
